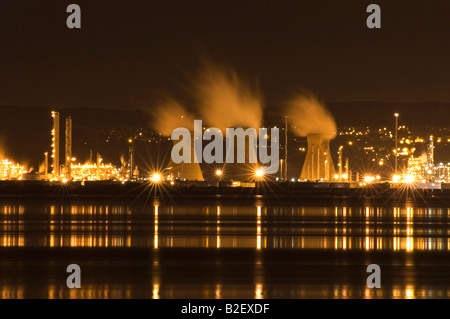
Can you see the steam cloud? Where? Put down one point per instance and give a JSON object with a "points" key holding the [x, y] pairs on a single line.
{"points": [[222, 100], [307, 115], [169, 115], [225, 100], [2, 148]]}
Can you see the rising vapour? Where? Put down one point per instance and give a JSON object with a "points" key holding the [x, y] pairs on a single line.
{"points": [[2, 148], [307, 115], [169, 115], [224, 100]]}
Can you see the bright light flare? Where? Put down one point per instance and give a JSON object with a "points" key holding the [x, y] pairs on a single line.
{"points": [[409, 179], [156, 178], [219, 172], [259, 173], [396, 178], [369, 179]]}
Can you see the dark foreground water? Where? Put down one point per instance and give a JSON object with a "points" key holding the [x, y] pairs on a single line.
{"points": [[163, 251]]}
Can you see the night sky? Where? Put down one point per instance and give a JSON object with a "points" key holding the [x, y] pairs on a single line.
{"points": [[128, 51]]}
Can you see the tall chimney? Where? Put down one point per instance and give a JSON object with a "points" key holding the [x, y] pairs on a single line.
{"points": [[131, 161], [46, 165], [55, 145], [68, 147]]}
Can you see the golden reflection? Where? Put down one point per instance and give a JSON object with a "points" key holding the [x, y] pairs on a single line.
{"points": [[218, 292], [218, 228], [12, 210], [258, 228], [340, 229], [396, 231], [155, 292], [342, 292], [155, 240], [12, 292], [368, 293], [368, 228], [409, 229], [102, 291], [259, 291], [409, 292]]}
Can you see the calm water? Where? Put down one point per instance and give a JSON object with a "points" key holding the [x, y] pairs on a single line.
{"points": [[163, 251]]}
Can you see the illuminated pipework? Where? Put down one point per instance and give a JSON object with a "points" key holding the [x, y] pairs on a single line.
{"points": [[68, 147], [94, 172], [55, 145], [10, 170]]}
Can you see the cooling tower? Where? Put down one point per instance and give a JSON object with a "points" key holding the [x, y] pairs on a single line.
{"points": [[318, 163], [187, 171]]}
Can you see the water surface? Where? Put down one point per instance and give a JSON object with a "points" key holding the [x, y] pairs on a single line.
{"points": [[164, 251]]}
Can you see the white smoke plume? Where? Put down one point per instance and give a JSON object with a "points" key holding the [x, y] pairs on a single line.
{"points": [[308, 115], [169, 115], [225, 100]]}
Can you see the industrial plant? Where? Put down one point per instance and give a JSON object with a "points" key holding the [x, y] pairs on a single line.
{"points": [[10, 170], [425, 170], [318, 164], [322, 161], [73, 171]]}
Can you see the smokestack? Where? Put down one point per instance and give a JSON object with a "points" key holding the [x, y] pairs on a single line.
{"points": [[346, 170], [46, 164], [318, 163], [188, 171], [285, 148], [68, 146], [131, 161], [99, 161], [430, 152], [55, 144]]}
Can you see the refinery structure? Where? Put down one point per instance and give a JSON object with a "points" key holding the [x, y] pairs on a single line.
{"points": [[10, 170], [425, 170], [320, 164], [73, 171]]}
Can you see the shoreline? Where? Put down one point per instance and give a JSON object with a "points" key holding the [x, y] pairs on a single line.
{"points": [[186, 193]]}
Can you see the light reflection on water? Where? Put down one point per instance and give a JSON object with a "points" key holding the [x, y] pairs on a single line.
{"points": [[219, 291], [293, 230], [338, 228]]}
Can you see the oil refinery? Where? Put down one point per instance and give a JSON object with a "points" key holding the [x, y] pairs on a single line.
{"points": [[424, 168], [323, 162], [73, 171], [10, 170]]}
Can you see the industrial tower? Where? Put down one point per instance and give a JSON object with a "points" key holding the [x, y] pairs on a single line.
{"points": [[68, 147], [55, 145], [318, 164]]}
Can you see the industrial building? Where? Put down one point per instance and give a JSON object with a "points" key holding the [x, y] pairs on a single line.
{"points": [[10, 170], [76, 171], [424, 169], [318, 164]]}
